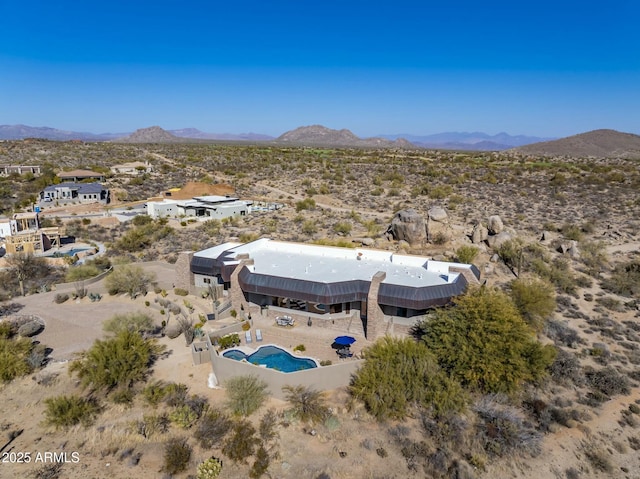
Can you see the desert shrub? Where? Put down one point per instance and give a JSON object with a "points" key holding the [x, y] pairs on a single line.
{"points": [[342, 228], [607, 381], [209, 469], [175, 394], [571, 231], [81, 272], [7, 329], [129, 279], [120, 361], [557, 272], [300, 347], [229, 340], [566, 368], [30, 329], [468, 342], [593, 255], [502, 430], [177, 453], [60, 298], [599, 458], [123, 396], [153, 424], [65, 411], [466, 254], [562, 334], [261, 463], [241, 442], [535, 299], [183, 416], [212, 428], [306, 403], [48, 471], [134, 322], [245, 394], [309, 227], [13, 358], [624, 279], [180, 291], [511, 253], [399, 373], [306, 204], [141, 220]]}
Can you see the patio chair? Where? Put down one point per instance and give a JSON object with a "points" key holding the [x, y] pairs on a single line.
{"points": [[247, 336], [258, 335]]}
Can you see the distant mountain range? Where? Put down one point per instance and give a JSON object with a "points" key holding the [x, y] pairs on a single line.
{"points": [[476, 141], [598, 143]]}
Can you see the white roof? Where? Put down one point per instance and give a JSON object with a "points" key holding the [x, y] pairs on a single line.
{"points": [[330, 264]]}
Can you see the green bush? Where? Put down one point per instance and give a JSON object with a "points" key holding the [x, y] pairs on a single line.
{"points": [[134, 322], [306, 204], [65, 411], [183, 416], [209, 469], [180, 291], [399, 373], [177, 454], [13, 358], [245, 394], [466, 254], [342, 228], [468, 340], [261, 463], [129, 279], [81, 272], [535, 299], [120, 361], [624, 279], [300, 347]]}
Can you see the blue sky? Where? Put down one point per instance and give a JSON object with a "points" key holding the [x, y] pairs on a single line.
{"points": [[544, 68]]}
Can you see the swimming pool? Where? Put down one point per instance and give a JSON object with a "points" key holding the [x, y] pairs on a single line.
{"points": [[273, 357]]}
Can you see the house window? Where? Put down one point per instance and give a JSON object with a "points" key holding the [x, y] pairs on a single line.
{"points": [[206, 280]]}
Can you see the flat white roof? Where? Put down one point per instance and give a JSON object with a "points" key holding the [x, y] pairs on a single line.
{"points": [[215, 198], [327, 264]]}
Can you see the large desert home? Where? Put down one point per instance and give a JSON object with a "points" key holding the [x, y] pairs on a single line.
{"points": [[76, 192], [203, 207], [80, 175], [380, 291]]}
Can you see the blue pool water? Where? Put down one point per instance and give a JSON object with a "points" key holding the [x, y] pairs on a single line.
{"points": [[273, 357]]}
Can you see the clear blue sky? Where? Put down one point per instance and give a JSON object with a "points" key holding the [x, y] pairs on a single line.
{"points": [[545, 68]]}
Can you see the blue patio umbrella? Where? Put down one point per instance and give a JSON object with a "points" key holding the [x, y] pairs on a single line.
{"points": [[344, 340]]}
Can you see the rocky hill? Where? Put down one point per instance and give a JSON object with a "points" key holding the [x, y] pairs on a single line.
{"points": [[597, 143], [153, 134], [318, 135]]}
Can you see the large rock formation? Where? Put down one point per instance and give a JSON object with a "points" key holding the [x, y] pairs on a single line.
{"points": [[495, 225], [438, 227], [480, 233], [408, 225]]}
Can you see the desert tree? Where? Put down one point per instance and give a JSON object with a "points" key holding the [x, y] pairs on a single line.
{"points": [[535, 299], [138, 322], [119, 362], [25, 267], [401, 373], [131, 279], [483, 342]]}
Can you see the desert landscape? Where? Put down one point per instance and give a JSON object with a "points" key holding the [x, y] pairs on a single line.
{"points": [[564, 213]]}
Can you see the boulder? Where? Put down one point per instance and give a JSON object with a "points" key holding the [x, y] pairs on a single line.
{"points": [[498, 240], [438, 213], [438, 226], [479, 234], [495, 225], [409, 226]]}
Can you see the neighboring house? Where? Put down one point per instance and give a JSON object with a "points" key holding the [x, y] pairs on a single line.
{"points": [[80, 175], [79, 192], [6, 170], [206, 207], [375, 289], [134, 168]]}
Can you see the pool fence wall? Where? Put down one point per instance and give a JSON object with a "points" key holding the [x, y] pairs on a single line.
{"points": [[321, 378]]}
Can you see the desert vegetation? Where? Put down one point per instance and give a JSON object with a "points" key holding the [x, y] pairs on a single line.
{"points": [[550, 343]]}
